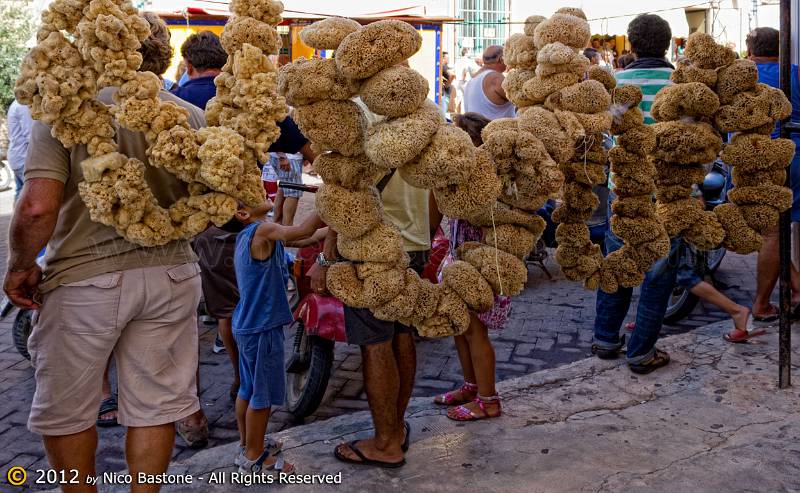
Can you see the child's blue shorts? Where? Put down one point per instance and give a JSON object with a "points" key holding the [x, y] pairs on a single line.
{"points": [[261, 368]]}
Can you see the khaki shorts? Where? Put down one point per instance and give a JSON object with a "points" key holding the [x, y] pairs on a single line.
{"points": [[146, 318]]}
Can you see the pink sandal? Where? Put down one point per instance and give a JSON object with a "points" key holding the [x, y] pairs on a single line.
{"points": [[461, 413], [467, 393]]}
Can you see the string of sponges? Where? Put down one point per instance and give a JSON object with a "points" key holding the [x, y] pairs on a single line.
{"points": [[60, 79], [410, 137], [715, 92]]}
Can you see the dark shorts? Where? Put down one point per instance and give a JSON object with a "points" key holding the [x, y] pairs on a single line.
{"points": [[215, 249], [361, 326]]}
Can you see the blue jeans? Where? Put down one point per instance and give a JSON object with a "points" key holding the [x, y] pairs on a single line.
{"points": [[19, 182], [656, 290]]}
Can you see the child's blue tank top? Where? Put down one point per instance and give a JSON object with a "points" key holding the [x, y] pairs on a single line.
{"points": [[262, 290]]}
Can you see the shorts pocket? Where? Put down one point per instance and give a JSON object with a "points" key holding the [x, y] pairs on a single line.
{"points": [[89, 306], [184, 290]]}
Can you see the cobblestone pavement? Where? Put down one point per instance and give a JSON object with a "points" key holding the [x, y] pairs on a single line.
{"points": [[550, 325]]}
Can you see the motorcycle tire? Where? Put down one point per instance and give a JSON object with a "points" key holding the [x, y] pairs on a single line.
{"points": [[681, 304], [306, 388], [6, 177], [21, 331]]}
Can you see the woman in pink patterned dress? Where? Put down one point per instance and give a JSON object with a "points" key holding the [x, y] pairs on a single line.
{"points": [[477, 398]]}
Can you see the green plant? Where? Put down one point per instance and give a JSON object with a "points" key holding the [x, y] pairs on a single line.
{"points": [[16, 30]]}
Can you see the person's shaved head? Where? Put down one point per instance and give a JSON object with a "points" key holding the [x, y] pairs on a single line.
{"points": [[493, 54], [493, 58]]}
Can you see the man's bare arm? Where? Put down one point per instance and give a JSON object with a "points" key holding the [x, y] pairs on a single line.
{"points": [[34, 221]]}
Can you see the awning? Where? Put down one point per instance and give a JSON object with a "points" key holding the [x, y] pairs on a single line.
{"points": [[619, 24]]}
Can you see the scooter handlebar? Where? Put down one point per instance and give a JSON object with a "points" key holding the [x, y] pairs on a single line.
{"points": [[298, 186]]}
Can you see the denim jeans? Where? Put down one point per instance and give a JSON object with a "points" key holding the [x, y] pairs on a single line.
{"points": [[19, 182], [656, 290]]}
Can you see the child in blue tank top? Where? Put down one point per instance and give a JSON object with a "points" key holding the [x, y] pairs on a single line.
{"points": [[258, 322]]}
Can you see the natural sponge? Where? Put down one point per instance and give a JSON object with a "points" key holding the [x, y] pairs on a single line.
{"points": [[242, 29], [333, 125], [448, 160], [375, 47], [395, 91], [328, 34], [308, 81], [467, 282], [520, 52], [568, 29], [396, 141], [350, 213]]}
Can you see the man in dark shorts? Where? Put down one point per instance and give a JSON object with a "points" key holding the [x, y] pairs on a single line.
{"points": [[389, 360]]}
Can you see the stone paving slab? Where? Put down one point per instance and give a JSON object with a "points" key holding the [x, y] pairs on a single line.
{"points": [[712, 421], [550, 325]]}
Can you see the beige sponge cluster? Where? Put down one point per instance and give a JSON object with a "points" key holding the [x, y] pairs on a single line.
{"points": [[686, 143], [61, 76], [634, 219], [740, 105], [565, 113], [412, 138]]}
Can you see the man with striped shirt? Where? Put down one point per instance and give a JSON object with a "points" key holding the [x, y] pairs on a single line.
{"points": [[650, 37]]}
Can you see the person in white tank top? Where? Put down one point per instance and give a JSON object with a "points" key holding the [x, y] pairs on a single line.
{"points": [[484, 94]]}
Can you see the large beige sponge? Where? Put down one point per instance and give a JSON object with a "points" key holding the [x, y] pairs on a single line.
{"points": [[448, 160], [308, 81], [348, 212], [395, 91], [375, 47], [520, 52], [565, 28], [394, 142], [333, 125], [242, 29], [328, 34], [467, 282]]}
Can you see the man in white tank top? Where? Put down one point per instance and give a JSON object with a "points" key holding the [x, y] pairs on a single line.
{"points": [[484, 94]]}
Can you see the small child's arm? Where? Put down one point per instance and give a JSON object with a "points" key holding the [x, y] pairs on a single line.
{"points": [[270, 232]]}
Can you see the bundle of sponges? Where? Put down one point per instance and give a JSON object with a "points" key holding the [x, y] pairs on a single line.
{"points": [[749, 109], [412, 138], [634, 219], [520, 55], [685, 144], [575, 112], [109, 34], [60, 78]]}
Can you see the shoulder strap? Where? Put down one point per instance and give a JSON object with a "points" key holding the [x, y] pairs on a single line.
{"points": [[385, 180]]}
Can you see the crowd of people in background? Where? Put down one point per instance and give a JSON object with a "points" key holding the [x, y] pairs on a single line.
{"points": [[239, 269]]}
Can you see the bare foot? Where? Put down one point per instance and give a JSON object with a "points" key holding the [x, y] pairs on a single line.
{"points": [[370, 451], [740, 318]]}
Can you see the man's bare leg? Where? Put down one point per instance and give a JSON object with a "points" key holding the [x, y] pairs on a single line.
{"points": [[225, 330], [148, 450], [289, 210], [107, 392], [76, 451], [277, 207], [382, 385], [767, 272], [739, 314], [405, 355]]}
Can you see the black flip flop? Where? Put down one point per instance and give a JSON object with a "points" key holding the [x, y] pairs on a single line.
{"points": [[108, 405], [364, 460], [407, 441]]}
